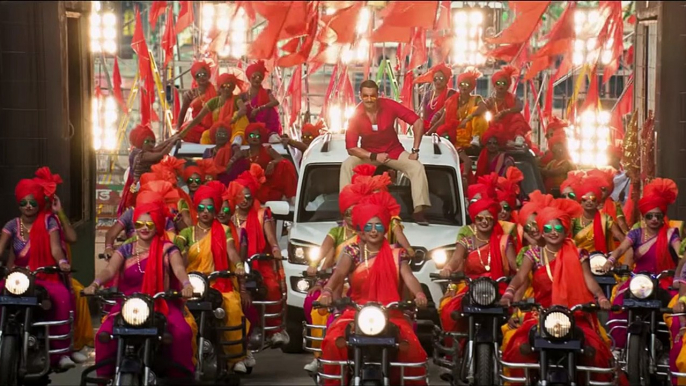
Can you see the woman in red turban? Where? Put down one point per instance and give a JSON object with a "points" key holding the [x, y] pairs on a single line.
{"points": [[432, 106], [655, 245], [463, 113], [150, 265], [558, 269], [226, 109], [282, 178], [593, 230], [36, 242], [375, 271], [260, 102], [488, 252], [309, 133], [193, 178], [505, 107], [607, 204], [209, 246], [492, 157], [568, 186], [196, 98], [555, 125], [255, 231], [556, 170]]}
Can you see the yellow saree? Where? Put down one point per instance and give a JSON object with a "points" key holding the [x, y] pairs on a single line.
{"points": [[585, 239], [476, 126]]}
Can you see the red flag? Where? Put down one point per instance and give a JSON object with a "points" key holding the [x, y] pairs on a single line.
{"points": [[549, 94], [116, 86], [444, 17], [295, 90], [300, 57], [249, 10], [329, 89], [401, 16], [506, 53], [177, 106], [528, 17], [155, 11], [591, 101], [145, 107], [140, 47], [169, 38], [613, 32], [185, 18], [98, 91], [565, 67], [537, 65], [342, 23], [629, 57], [153, 114], [562, 34], [623, 107], [419, 54], [285, 20]]}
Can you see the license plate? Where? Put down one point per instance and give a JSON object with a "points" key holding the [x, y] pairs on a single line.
{"points": [[18, 301]]}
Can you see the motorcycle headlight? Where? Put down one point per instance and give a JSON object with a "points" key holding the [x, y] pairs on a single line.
{"points": [[135, 311], [198, 283], [439, 256], [17, 283], [303, 285], [371, 320], [597, 262], [484, 291], [641, 286], [557, 324]]}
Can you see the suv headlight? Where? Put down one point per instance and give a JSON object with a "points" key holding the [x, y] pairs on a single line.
{"points": [[199, 284], [440, 257], [484, 291], [135, 311], [597, 262], [557, 324], [641, 286], [302, 254], [371, 320], [17, 283]]}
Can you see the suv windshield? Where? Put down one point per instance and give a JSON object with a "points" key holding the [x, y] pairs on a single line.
{"points": [[319, 195]]}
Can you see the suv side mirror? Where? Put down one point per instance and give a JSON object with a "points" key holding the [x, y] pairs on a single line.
{"points": [[280, 209]]}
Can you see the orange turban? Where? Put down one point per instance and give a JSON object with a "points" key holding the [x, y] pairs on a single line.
{"points": [[506, 73], [231, 78], [139, 134], [201, 64], [313, 129], [428, 77], [469, 75], [256, 67], [259, 128]]}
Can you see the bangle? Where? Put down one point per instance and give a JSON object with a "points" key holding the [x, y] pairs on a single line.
{"points": [[185, 283], [97, 283], [63, 261], [601, 298], [372, 156], [510, 289], [109, 246], [327, 290], [240, 265], [420, 295], [611, 259], [508, 295]]}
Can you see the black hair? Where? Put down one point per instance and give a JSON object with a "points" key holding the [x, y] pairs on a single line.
{"points": [[369, 84]]}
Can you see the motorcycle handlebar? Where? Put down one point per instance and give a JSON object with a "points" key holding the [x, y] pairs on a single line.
{"points": [[456, 276], [325, 274], [51, 270], [221, 274], [260, 256]]}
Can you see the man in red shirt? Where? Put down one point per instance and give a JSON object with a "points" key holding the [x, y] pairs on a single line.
{"points": [[373, 125]]}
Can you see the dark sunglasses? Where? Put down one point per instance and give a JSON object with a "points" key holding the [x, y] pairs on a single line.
{"points": [[24, 203], [192, 180], [481, 218], [369, 97], [492, 143], [570, 196], [308, 137], [247, 197], [226, 210], [202, 75], [465, 84], [144, 224], [202, 208], [590, 197], [500, 83], [149, 141], [379, 227], [254, 135], [530, 227], [656, 216], [226, 86], [547, 228], [506, 207]]}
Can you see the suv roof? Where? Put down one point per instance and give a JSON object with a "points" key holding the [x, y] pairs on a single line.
{"points": [[190, 149]]}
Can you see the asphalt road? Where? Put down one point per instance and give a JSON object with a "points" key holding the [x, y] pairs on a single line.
{"points": [[273, 368]]}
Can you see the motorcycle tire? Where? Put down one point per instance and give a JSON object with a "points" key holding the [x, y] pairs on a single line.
{"points": [[9, 352], [484, 364], [129, 379], [635, 366]]}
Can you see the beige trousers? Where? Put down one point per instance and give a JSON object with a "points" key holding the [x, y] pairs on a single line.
{"points": [[412, 168]]}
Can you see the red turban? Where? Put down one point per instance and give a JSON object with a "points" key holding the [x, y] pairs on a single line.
{"points": [[507, 194], [259, 128], [352, 194], [567, 271], [200, 64], [573, 180], [362, 213], [153, 190], [172, 164], [313, 129], [428, 77], [48, 181], [447, 130], [212, 190], [252, 180], [32, 187], [497, 132], [215, 127], [138, 135], [606, 175], [256, 67], [469, 75], [190, 170], [559, 137], [482, 204], [384, 200], [537, 201], [208, 168], [555, 124], [589, 185], [659, 194], [500, 267], [231, 78], [506, 73], [513, 177]]}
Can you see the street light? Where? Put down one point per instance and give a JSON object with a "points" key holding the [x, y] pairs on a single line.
{"points": [[468, 29], [589, 138], [103, 30], [104, 116], [586, 49]]}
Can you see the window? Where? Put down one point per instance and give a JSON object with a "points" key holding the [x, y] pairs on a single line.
{"points": [[319, 195]]}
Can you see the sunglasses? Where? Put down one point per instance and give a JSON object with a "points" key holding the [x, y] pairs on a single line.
{"points": [[379, 227], [308, 137], [247, 197], [149, 141], [202, 75], [192, 180], [530, 227], [254, 135], [144, 224], [226, 210], [570, 196], [481, 218], [506, 207], [24, 203], [226, 86], [369, 97], [588, 198], [492, 143], [656, 216], [465, 84], [209, 178], [439, 78], [500, 83], [549, 228], [202, 208]]}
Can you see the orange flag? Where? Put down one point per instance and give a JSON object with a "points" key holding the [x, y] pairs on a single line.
{"points": [[591, 101], [300, 57], [155, 11], [444, 20], [185, 18], [295, 90], [169, 38], [285, 19], [140, 47], [116, 86], [614, 32], [528, 17], [401, 16], [342, 23]]}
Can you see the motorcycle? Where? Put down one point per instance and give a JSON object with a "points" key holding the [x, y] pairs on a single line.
{"points": [[308, 336], [646, 355], [559, 344], [606, 280], [141, 335], [478, 365], [24, 333], [209, 316], [373, 343], [254, 284]]}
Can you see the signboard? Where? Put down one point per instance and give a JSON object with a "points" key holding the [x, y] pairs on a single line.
{"points": [[106, 201]]}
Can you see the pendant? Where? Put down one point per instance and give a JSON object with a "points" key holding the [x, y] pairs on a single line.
{"points": [[488, 268]]}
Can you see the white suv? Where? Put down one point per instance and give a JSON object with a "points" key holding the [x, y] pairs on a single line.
{"points": [[316, 212]]}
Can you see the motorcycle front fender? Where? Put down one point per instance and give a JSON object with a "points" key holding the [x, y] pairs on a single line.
{"points": [[637, 328], [131, 365]]}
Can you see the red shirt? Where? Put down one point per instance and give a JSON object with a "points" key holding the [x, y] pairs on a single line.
{"points": [[385, 139]]}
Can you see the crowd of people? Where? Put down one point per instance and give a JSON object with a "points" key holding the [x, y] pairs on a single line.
{"points": [[208, 216]]}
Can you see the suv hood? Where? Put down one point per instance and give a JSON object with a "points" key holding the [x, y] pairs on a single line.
{"points": [[430, 237]]}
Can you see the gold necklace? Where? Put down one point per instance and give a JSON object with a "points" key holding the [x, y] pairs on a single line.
{"points": [[584, 221], [23, 230], [203, 228], [547, 261], [367, 252], [480, 239], [486, 266], [137, 253]]}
